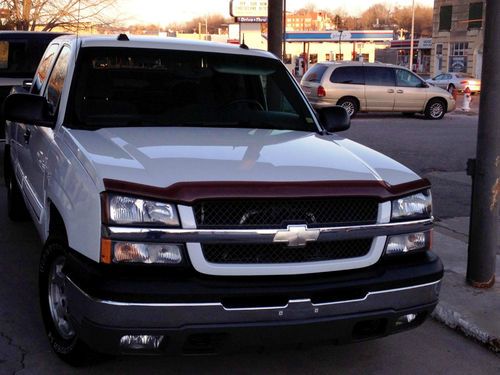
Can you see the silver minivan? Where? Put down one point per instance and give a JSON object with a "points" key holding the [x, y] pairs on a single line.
{"points": [[374, 87]]}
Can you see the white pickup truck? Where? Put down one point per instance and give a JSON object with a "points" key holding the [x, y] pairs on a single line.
{"points": [[190, 200]]}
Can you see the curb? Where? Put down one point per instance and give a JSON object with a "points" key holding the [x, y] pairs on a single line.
{"points": [[454, 320]]}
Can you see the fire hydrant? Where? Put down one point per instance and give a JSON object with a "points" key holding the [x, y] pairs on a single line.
{"points": [[467, 100]]}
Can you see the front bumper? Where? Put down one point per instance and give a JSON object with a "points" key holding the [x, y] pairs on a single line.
{"points": [[212, 324]]}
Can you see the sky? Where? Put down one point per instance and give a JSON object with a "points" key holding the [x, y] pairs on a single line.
{"points": [[164, 12]]}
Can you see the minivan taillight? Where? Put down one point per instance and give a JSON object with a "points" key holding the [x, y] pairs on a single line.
{"points": [[464, 82], [321, 91]]}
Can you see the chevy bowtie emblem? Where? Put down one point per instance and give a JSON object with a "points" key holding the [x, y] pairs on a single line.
{"points": [[296, 235]]}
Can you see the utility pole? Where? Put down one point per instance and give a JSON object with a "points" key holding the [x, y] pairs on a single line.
{"points": [[284, 30], [484, 228], [340, 45], [412, 33], [275, 27]]}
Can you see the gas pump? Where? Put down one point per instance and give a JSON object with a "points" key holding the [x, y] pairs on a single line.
{"points": [[300, 65]]}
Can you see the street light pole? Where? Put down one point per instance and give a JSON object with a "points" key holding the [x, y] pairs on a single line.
{"points": [[340, 44], [275, 27], [412, 32], [484, 228]]}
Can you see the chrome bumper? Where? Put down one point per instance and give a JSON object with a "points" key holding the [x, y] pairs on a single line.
{"points": [[84, 307]]}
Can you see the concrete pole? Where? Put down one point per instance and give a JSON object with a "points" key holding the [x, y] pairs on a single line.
{"points": [[484, 226], [412, 33], [275, 27], [284, 30]]}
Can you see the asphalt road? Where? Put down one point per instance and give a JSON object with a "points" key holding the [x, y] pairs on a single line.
{"points": [[437, 150], [429, 147]]}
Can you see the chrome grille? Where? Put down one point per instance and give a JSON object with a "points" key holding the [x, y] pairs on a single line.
{"points": [[278, 213], [281, 253]]}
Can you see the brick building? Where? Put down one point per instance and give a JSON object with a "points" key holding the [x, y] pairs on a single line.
{"points": [[457, 36], [310, 21]]}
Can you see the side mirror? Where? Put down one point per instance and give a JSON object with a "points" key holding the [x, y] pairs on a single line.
{"points": [[334, 119], [28, 109], [424, 85]]}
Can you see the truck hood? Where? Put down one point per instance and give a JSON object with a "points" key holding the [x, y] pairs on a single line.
{"points": [[161, 156]]}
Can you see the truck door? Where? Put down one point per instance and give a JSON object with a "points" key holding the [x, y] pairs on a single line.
{"points": [[41, 137]]}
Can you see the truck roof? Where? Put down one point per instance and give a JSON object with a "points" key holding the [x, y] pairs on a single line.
{"points": [[156, 42]]}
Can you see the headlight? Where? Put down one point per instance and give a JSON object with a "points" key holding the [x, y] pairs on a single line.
{"points": [[129, 211], [408, 243], [416, 206]]}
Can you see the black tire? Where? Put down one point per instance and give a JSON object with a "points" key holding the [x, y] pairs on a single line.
{"points": [[16, 208], [51, 288], [435, 109], [350, 104], [451, 87]]}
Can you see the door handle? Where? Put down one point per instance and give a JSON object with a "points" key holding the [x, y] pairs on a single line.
{"points": [[27, 136], [400, 91], [390, 91]]}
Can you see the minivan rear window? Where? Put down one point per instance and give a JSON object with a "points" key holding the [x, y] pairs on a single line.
{"points": [[315, 73], [353, 75]]}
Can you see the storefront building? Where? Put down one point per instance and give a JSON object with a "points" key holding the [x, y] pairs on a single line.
{"points": [[421, 54], [457, 36]]}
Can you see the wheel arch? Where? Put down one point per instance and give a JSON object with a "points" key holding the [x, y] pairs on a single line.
{"points": [[442, 100], [56, 227]]}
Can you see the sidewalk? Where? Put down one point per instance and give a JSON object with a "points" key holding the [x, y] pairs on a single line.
{"points": [[474, 312], [474, 106]]}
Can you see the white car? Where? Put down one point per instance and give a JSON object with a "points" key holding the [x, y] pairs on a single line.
{"points": [[191, 201], [459, 81]]}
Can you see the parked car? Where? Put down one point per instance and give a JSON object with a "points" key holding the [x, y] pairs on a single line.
{"points": [[191, 201], [459, 81], [373, 87]]}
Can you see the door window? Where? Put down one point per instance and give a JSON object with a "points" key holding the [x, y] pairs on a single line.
{"points": [[56, 80], [404, 78], [43, 68], [378, 76]]}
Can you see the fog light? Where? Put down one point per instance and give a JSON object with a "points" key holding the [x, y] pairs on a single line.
{"points": [[133, 252], [406, 243], [141, 342], [406, 319]]}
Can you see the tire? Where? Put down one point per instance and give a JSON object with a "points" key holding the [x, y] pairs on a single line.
{"points": [[435, 109], [16, 208], [51, 288], [350, 105]]}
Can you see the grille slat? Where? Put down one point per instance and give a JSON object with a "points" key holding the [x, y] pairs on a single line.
{"points": [[281, 253], [262, 213]]}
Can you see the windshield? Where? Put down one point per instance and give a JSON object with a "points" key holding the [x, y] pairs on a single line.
{"points": [[116, 87]]}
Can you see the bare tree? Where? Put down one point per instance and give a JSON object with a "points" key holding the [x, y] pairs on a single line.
{"points": [[47, 15]]}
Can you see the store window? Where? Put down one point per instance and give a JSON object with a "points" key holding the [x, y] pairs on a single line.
{"points": [[475, 15], [458, 57], [459, 49], [445, 13]]}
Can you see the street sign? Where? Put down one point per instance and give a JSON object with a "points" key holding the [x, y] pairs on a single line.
{"points": [[345, 35], [248, 8], [251, 19]]}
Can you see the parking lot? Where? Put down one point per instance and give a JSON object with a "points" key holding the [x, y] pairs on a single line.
{"points": [[437, 150]]}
